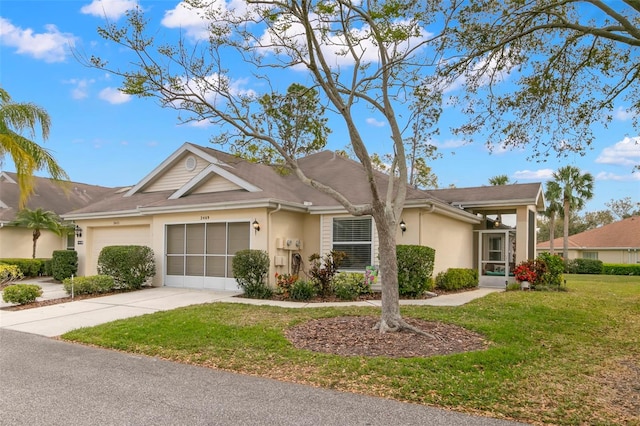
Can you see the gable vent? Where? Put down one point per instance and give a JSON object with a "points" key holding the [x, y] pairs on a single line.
{"points": [[190, 163]]}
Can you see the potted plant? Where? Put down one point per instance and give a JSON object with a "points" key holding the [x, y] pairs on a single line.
{"points": [[525, 274]]}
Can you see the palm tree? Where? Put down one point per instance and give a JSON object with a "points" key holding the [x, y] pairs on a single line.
{"points": [[38, 220], [553, 196], [27, 155], [499, 180], [577, 188]]}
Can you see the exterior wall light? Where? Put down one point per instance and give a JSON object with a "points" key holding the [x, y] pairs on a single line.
{"points": [[256, 225], [403, 226], [78, 231]]}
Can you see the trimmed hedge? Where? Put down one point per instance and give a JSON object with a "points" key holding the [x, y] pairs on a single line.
{"points": [[95, 284], [621, 269], [415, 268], [64, 264], [21, 293], [130, 266], [457, 279], [584, 266], [28, 267], [350, 285], [250, 269]]}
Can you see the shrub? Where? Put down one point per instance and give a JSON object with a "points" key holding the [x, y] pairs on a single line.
{"points": [[584, 266], [350, 285], [513, 286], [28, 267], [322, 270], [551, 274], [250, 269], [457, 279], [415, 268], [21, 293], [47, 268], [303, 290], [284, 282], [130, 266], [95, 284], [64, 264], [621, 269], [9, 273]]}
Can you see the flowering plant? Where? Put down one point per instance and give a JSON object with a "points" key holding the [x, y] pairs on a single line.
{"points": [[525, 271]]}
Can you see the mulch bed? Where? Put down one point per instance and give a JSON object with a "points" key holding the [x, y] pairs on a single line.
{"points": [[356, 336]]}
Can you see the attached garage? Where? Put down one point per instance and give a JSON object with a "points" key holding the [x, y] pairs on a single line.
{"points": [[115, 236]]}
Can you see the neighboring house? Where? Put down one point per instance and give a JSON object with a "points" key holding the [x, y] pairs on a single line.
{"points": [[200, 206], [618, 242], [59, 198]]}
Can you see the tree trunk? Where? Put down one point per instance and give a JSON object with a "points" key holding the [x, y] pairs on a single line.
{"points": [[36, 235], [390, 319], [552, 231], [565, 232]]}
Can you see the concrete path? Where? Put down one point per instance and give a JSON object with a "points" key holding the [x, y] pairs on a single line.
{"points": [[47, 382], [58, 319]]}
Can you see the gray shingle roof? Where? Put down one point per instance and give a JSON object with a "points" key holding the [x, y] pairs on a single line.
{"points": [[48, 195]]}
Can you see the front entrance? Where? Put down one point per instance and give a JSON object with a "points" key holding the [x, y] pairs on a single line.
{"points": [[497, 256], [200, 255]]}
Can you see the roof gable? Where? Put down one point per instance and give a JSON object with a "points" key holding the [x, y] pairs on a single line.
{"points": [[516, 194], [190, 168]]}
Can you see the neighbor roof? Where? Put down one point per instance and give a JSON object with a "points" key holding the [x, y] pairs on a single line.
{"points": [[492, 195], [58, 197], [618, 235]]}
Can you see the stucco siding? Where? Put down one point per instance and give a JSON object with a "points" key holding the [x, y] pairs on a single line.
{"points": [[18, 243], [451, 239]]}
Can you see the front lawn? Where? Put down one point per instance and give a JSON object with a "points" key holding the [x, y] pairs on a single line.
{"points": [[561, 358]]}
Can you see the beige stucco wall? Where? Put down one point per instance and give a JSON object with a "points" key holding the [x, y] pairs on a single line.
{"points": [[604, 255], [18, 243]]}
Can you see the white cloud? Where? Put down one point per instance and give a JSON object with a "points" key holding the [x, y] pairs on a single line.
{"points": [[617, 178], [375, 123], [193, 21], [114, 96], [623, 114], [624, 153], [542, 174], [81, 88], [112, 9], [49, 46], [450, 143]]}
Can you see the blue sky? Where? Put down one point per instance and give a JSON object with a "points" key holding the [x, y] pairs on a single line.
{"points": [[102, 137]]}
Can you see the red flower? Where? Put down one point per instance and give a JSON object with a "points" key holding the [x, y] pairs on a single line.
{"points": [[525, 272]]}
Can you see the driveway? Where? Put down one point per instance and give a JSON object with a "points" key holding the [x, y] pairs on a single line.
{"points": [[51, 382]]}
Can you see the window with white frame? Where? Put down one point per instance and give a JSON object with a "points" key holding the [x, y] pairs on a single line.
{"points": [[204, 249], [354, 236], [593, 255]]}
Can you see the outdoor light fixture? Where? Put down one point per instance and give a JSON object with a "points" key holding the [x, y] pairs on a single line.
{"points": [[78, 231], [256, 225], [403, 226], [497, 222]]}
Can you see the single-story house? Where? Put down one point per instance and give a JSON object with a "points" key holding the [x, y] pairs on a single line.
{"points": [[617, 242], [200, 206], [58, 197]]}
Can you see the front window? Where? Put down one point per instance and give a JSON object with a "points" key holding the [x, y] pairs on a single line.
{"points": [[354, 236], [593, 255]]}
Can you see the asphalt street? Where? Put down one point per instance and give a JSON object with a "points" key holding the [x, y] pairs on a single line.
{"points": [[50, 382]]}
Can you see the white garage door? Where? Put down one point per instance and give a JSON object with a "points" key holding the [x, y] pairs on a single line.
{"points": [[117, 236]]}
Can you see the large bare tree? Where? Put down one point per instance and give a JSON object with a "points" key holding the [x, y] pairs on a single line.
{"points": [[542, 73], [369, 55]]}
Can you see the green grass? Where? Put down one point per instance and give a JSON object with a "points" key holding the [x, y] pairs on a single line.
{"points": [[555, 358]]}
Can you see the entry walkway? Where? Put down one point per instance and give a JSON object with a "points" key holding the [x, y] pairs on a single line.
{"points": [[55, 320]]}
